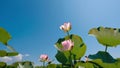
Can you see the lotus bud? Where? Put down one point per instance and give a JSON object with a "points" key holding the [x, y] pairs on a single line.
{"points": [[44, 57], [66, 27]]}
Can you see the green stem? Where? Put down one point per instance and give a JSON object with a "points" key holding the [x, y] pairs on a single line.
{"points": [[62, 65], [43, 64], [68, 34], [71, 64], [106, 48]]}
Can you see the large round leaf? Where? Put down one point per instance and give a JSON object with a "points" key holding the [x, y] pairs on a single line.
{"points": [[104, 56], [106, 36], [77, 52], [87, 65], [12, 54], [62, 57], [4, 36], [51, 66], [3, 53], [3, 64]]}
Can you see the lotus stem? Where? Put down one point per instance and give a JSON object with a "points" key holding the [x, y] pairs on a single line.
{"points": [[106, 48], [71, 64], [10, 48], [68, 34], [43, 64]]}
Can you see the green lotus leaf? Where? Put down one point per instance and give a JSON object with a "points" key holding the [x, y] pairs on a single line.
{"points": [[97, 63], [104, 56], [86, 65], [77, 52], [61, 57], [118, 63], [12, 54], [3, 53], [10, 66], [4, 36], [3, 64], [106, 65], [106, 36], [58, 65], [51, 66], [28, 65]]}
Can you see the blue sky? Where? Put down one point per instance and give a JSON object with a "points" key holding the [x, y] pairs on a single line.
{"points": [[34, 24]]}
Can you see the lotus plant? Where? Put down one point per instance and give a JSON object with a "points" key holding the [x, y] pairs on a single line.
{"points": [[67, 45], [69, 48], [43, 58]]}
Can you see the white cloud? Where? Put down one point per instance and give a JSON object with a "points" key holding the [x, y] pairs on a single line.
{"points": [[26, 55], [19, 57], [6, 59]]}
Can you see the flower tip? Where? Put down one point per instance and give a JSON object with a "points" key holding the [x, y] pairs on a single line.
{"points": [[61, 27]]}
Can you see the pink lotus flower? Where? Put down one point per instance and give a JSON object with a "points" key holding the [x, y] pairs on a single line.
{"points": [[67, 45], [44, 57], [66, 27]]}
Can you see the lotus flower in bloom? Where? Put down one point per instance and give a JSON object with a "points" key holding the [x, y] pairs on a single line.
{"points": [[44, 57], [67, 45], [66, 27]]}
